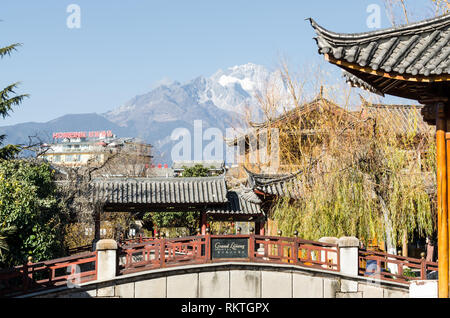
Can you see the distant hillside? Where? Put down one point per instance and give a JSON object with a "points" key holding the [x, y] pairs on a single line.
{"points": [[219, 101], [19, 133]]}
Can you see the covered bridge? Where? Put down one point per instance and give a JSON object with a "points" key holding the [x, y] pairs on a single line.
{"points": [[207, 195]]}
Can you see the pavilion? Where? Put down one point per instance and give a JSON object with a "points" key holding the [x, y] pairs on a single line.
{"points": [[207, 195], [410, 61]]}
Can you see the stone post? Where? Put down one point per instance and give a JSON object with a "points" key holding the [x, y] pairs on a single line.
{"points": [[423, 289], [349, 261], [106, 259]]}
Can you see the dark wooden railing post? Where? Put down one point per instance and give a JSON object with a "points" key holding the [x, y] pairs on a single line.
{"points": [[162, 252], [295, 250], [423, 269], [251, 243], [208, 245], [27, 277], [400, 269], [279, 246], [266, 248]]}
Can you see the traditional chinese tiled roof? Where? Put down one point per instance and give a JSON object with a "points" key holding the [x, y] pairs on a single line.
{"points": [[419, 48], [357, 82], [240, 201], [160, 190], [316, 103], [399, 119], [207, 193], [280, 185], [411, 61], [319, 102]]}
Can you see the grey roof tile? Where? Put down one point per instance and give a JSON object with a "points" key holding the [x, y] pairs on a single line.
{"points": [[420, 48], [281, 185], [399, 119], [209, 191], [238, 203], [160, 190]]}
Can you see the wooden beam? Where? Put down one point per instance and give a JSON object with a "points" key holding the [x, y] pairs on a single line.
{"points": [[429, 100]]}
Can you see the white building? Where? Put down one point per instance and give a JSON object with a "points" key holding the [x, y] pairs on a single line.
{"points": [[78, 148]]}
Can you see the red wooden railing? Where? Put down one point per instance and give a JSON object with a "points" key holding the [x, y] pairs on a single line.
{"points": [[152, 253], [296, 251], [159, 253], [394, 267], [68, 271]]}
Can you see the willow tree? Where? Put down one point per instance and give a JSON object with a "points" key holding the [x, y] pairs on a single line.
{"points": [[358, 178]]}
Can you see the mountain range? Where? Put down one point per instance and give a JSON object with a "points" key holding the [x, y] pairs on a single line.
{"points": [[219, 101]]}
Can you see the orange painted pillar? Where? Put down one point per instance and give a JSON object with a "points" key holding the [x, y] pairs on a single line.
{"points": [[442, 200], [445, 229]]}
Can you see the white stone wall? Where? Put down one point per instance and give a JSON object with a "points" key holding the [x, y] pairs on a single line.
{"points": [[242, 283]]}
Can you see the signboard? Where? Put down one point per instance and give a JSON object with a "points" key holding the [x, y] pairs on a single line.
{"points": [[229, 248], [83, 134]]}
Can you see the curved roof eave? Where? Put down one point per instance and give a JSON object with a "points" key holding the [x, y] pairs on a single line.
{"points": [[362, 37]]}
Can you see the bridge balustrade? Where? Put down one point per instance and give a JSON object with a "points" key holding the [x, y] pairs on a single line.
{"points": [[73, 270], [159, 253], [395, 267], [144, 254]]}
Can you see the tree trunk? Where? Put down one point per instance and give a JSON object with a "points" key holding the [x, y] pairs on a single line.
{"points": [[391, 247], [405, 244]]}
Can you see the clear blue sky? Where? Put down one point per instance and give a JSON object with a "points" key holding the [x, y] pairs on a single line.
{"points": [[124, 47]]}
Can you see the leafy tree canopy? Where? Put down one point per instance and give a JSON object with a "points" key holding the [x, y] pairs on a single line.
{"points": [[196, 171], [28, 203], [9, 99]]}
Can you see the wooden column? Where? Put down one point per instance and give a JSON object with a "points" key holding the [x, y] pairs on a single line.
{"points": [[262, 224], [442, 200], [203, 222], [97, 219]]}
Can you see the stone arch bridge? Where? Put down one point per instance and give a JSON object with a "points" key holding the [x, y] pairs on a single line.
{"points": [[224, 266]]}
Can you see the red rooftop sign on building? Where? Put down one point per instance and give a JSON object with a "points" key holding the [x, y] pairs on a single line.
{"points": [[82, 134]]}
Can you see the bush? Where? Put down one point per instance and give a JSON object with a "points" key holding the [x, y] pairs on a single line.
{"points": [[28, 201]]}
